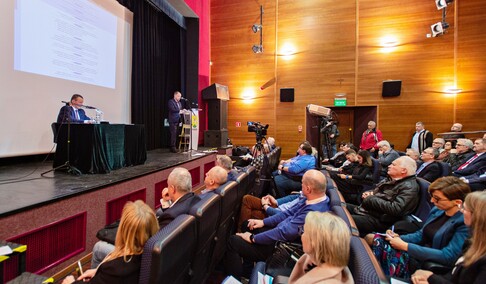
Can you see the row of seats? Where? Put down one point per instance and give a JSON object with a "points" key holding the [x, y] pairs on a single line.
{"points": [[188, 249]]}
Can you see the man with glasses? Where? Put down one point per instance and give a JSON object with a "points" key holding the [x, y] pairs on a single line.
{"points": [[476, 162], [390, 201], [429, 169], [461, 154]]}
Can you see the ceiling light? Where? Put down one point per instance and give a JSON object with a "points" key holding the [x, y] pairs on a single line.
{"points": [[256, 28], [439, 28], [257, 48], [441, 4]]}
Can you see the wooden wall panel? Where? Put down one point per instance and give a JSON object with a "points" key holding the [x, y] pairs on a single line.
{"points": [[337, 48]]}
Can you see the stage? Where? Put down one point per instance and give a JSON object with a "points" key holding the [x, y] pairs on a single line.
{"points": [[57, 215]]}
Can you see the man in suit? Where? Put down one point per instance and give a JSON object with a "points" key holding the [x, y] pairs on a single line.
{"points": [[177, 199], [73, 112], [175, 107], [477, 161], [476, 181], [422, 138], [429, 169], [460, 154]]}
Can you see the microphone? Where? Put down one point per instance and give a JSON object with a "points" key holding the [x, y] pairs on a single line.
{"points": [[182, 98], [67, 103], [88, 107]]}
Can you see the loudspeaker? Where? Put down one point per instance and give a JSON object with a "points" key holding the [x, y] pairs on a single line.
{"points": [[215, 91], [215, 138], [391, 88], [217, 114], [287, 95]]}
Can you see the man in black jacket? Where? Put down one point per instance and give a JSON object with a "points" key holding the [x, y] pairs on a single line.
{"points": [[391, 200]]}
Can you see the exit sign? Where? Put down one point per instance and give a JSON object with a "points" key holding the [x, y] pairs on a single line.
{"points": [[340, 102]]}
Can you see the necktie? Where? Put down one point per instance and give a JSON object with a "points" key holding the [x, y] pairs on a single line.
{"points": [[422, 166], [468, 162], [77, 114]]}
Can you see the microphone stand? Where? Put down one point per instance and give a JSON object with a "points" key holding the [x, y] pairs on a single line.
{"points": [[67, 165]]}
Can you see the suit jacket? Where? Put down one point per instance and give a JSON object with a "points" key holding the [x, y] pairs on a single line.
{"points": [[174, 115], [475, 273], [182, 206], [446, 244], [431, 172], [473, 167], [424, 140], [66, 114]]}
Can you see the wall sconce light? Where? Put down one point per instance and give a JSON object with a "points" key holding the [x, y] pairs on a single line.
{"points": [[439, 28], [453, 91], [257, 48], [441, 4]]}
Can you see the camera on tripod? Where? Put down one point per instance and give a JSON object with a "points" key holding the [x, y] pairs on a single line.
{"points": [[258, 128]]}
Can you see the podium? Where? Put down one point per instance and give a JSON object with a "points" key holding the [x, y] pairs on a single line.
{"points": [[190, 130]]}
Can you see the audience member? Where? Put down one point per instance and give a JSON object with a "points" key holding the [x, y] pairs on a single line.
{"points": [[456, 127], [370, 139], [253, 207], [326, 243], [429, 169], [461, 154], [386, 155], [445, 152], [288, 177], [476, 181], [138, 223], [477, 161], [329, 135], [351, 179], [271, 143], [438, 144], [215, 177], [422, 138], [440, 240], [390, 201], [257, 244], [225, 162], [177, 199], [258, 156], [73, 112], [471, 267]]}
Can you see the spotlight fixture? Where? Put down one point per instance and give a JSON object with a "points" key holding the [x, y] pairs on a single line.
{"points": [[257, 48], [441, 4], [256, 28], [439, 28]]}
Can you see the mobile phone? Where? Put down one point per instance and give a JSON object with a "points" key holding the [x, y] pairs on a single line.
{"points": [[80, 267]]}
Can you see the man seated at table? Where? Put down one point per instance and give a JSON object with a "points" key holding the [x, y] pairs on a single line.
{"points": [[73, 113], [288, 177]]}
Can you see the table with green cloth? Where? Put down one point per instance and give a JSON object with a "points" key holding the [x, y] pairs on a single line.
{"points": [[99, 148]]}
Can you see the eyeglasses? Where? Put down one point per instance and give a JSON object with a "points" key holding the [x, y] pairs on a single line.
{"points": [[460, 145], [301, 230], [436, 142], [463, 208], [438, 199]]}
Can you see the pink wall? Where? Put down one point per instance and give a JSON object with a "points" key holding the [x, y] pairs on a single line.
{"points": [[201, 8]]}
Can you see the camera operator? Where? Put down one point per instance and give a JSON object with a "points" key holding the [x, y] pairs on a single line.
{"points": [[329, 135]]}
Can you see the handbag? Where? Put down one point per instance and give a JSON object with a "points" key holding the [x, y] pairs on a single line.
{"points": [[108, 233], [283, 259]]}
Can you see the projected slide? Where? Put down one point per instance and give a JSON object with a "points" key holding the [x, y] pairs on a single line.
{"points": [[67, 39]]}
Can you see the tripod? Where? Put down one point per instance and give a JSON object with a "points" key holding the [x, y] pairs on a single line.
{"points": [[67, 165]]}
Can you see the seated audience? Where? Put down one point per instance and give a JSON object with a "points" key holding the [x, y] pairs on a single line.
{"points": [[414, 154], [138, 223], [215, 177], [177, 199], [258, 155], [258, 242], [471, 267], [288, 177], [253, 207], [225, 162], [445, 152], [474, 163], [460, 154], [326, 243], [390, 201], [271, 143], [438, 144], [429, 169], [476, 181], [386, 155], [440, 240], [340, 157], [351, 179]]}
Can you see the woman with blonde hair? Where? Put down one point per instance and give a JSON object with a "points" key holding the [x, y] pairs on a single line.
{"points": [[326, 244], [470, 268], [138, 223]]}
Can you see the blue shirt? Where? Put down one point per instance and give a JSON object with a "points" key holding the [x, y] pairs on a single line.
{"points": [[298, 165]]}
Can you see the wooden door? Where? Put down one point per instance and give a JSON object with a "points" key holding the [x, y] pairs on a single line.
{"points": [[345, 118]]}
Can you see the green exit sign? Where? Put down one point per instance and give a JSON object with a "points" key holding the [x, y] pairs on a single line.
{"points": [[340, 102]]}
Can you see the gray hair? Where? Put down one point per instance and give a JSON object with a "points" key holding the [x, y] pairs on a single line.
{"points": [[181, 179], [384, 143], [467, 142], [408, 163], [372, 122], [440, 140], [224, 161]]}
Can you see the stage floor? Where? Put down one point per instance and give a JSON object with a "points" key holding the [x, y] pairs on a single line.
{"points": [[22, 186]]}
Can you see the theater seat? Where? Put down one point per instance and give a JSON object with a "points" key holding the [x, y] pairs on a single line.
{"points": [[167, 255], [363, 264], [207, 213]]}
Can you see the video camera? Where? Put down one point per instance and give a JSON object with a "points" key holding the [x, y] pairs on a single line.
{"points": [[258, 128]]}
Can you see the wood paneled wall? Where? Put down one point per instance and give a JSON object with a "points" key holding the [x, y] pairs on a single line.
{"points": [[337, 49]]}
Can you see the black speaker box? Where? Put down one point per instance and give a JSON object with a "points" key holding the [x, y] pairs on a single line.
{"points": [[215, 138], [391, 88], [217, 114], [287, 95], [215, 91]]}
